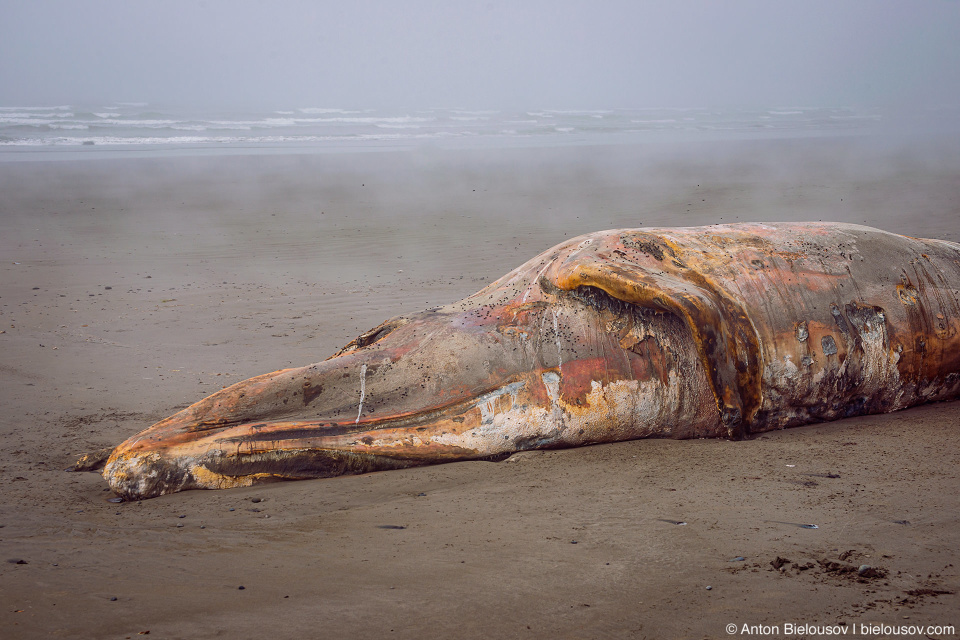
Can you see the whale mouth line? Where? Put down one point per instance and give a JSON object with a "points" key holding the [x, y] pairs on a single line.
{"points": [[297, 463], [266, 451], [278, 431]]}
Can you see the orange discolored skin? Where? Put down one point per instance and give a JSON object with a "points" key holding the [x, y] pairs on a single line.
{"points": [[690, 332]]}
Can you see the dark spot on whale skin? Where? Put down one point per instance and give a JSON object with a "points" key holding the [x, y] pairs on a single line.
{"points": [[542, 441], [907, 294], [310, 392], [829, 345], [839, 319], [865, 318], [855, 407], [648, 246]]}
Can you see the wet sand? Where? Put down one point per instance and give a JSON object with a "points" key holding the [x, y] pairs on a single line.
{"points": [[132, 287]]}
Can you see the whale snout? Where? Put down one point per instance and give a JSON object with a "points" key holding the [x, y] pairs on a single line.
{"points": [[133, 476], [135, 473]]}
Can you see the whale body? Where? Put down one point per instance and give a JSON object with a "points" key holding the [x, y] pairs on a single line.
{"points": [[717, 331]]}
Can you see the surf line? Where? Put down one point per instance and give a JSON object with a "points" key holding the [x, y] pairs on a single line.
{"points": [[363, 390]]}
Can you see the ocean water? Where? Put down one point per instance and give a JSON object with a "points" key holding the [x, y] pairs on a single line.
{"points": [[122, 125]]}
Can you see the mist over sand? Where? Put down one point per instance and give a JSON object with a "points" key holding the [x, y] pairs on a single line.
{"points": [[133, 286]]}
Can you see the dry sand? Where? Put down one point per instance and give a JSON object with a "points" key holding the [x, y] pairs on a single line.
{"points": [[133, 286]]}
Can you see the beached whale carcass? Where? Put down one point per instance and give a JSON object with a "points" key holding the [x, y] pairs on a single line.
{"points": [[722, 330]]}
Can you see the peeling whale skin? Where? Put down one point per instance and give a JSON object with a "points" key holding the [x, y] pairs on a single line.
{"points": [[718, 331]]}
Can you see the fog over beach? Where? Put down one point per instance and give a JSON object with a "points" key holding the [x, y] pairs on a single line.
{"points": [[192, 194]]}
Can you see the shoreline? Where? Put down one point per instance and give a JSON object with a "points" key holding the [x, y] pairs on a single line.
{"points": [[905, 136]]}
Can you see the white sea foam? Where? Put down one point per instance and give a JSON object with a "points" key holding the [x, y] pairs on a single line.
{"points": [[120, 141], [150, 124], [125, 124], [376, 120], [60, 108], [866, 116], [36, 122], [292, 122], [22, 117], [245, 125], [321, 110], [273, 122], [229, 126], [579, 112], [199, 140]]}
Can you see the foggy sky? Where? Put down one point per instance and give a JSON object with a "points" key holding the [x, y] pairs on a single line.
{"points": [[487, 54]]}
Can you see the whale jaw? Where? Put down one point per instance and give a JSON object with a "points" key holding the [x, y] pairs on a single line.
{"points": [[136, 476]]}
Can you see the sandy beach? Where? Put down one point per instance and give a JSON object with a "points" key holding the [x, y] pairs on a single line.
{"points": [[132, 285]]}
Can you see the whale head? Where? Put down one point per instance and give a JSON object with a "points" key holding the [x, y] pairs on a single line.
{"points": [[596, 340]]}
